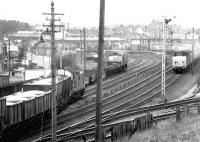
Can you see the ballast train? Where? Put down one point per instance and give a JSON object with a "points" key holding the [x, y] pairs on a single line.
{"points": [[182, 58], [35, 99]]}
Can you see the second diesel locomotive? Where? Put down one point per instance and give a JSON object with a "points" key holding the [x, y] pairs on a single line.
{"points": [[113, 63]]}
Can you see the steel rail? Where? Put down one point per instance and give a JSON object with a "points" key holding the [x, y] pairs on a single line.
{"points": [[135, 104], [121, 77]]}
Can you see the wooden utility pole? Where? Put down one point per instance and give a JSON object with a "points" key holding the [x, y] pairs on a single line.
{"points": [[53, 75], [140, 43], [81, 46], [99, 72], [163, 63], [53, 67], [9, 59], [63, 42], [8, 56], [84, 44], [192, 49]]}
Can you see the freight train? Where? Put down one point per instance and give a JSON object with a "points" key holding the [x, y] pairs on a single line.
{"points": [[182, 57], [35, 98], [113, 63]]}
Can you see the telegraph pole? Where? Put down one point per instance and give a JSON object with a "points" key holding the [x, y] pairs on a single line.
{"points": [[8, 56], [84, 44], [81, 46], [63, 42], [9, 59], [192, 49], [53, 66], [98, 136], [171, 33], [163, 64], [140, 43]]}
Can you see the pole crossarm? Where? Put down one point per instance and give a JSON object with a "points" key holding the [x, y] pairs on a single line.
{"points": [[47, 19], [49, 32], [54, 25], [53, 13]]}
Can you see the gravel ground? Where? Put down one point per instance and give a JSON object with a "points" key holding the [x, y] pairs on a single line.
{"points": [[184, 84], [170, 130]]}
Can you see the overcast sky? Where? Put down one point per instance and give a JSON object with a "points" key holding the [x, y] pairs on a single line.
{"points": [[86, 12]]}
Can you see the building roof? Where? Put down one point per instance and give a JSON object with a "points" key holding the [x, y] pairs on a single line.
{"points": [[58, 36], [13, 48], [184, 36]]}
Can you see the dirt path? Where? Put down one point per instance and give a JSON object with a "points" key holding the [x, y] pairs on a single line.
{"points": [[184, 84]]}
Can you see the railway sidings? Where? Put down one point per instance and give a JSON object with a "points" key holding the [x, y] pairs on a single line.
{"points": [[70, 122], [123, 96]]}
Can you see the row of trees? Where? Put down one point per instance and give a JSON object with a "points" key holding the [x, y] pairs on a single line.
{"points": [[12, 26]]}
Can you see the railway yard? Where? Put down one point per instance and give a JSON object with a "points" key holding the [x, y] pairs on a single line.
{"points": [[123, 95], [111, 84], [99, 71]]}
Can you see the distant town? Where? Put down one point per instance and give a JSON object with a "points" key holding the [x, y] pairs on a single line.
{"points": [[20, 45], [59, 82]]}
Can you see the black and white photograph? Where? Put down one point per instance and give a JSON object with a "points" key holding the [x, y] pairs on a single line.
{"points": [[99, 71]]}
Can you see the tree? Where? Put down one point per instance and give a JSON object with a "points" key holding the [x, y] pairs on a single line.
{"points": [[22, 51], [12, 26]]}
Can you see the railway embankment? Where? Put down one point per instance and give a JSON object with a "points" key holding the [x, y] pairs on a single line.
{"points": [[170, 131], [183, 88]]}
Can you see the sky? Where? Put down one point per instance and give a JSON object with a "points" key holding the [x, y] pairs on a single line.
{"points": [[85, 13]]}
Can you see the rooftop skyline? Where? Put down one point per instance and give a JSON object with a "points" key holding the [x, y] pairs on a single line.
{"points": [[85, 13]]}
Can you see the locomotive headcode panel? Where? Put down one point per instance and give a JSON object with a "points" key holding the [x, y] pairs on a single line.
{"points": [[115, 58]]}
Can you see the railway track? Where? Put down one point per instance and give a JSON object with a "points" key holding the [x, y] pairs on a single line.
{"points": [[133, 70], [84, 110], [80, 123], [119, 98], [112, 117], [129, 76], [125, 78], [135, 66], [91, 131], [115, 117], [116, 79], [91, 89]]}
